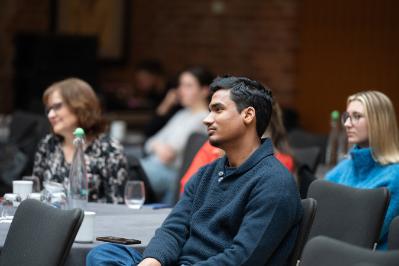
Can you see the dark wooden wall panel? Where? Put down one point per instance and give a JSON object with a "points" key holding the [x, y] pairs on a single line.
{"points": [[345, 46]]}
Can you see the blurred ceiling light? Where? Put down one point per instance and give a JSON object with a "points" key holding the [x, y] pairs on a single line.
{"points": [[217, 7]]}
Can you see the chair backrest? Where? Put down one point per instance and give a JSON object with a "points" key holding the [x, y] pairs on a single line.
{"points": [[40, 235], [309, 156], [348, 214], [393, 235], [309, 210], [326, 251], [194, 143], [299, 138], [305, 178]]}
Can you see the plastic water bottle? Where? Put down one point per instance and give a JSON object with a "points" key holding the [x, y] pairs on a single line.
{"points": [[342, 146], [77, 189], [333, 137]]}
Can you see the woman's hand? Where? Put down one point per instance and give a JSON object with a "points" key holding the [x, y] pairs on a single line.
{"points": [[164, 152], [168, 102]]}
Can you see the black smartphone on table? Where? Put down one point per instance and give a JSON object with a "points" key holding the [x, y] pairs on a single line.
{"points": [[118, 240]]}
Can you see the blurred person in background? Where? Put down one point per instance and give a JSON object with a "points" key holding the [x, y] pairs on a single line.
{"points": [[149, 85], [69, 104], [165, 110], [165, 148], [276, 131], [146, 92], [371, 128]]}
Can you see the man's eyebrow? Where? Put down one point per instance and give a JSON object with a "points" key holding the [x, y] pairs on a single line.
{"points": [[216, 105]]}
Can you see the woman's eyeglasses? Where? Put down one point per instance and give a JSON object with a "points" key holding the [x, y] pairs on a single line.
{"points": [[353, 118], [55, 107]]}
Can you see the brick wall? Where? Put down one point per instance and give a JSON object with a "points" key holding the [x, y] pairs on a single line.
{"points": [[254, 38], [346, 47], [17, 16]]}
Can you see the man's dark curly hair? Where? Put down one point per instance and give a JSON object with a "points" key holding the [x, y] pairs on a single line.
{"points": [[245, 93]]}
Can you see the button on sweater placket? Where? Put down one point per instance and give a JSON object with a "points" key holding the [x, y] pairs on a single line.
{"points": [[221, 176]]}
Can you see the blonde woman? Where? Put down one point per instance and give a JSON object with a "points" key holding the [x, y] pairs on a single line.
{"points": [[371, 128]]}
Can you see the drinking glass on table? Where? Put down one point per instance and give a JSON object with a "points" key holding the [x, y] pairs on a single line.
{"points": [[9, 206], [55, 194], [134, 194]]}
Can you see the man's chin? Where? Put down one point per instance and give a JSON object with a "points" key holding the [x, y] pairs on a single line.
{"points": [[214, 142]]}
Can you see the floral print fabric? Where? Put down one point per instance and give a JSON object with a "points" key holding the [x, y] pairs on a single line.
{"points": [[106, 166]]}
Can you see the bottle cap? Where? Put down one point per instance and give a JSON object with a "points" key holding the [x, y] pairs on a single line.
{"points": [[335, 115], [79, 132]]}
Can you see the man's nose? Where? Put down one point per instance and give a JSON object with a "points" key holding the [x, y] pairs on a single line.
{"points": [[208, 119]]}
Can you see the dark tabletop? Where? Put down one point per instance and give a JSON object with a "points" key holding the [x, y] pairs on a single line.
{"points": [[113, 220]]}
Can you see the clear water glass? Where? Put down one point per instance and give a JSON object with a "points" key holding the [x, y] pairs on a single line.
{"points": [[134, 194], [55, 194], [9, 205]]}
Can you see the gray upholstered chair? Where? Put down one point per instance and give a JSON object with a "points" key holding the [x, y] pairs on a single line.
{"points": [[393, 235], [194, 143], [40, 235], [326, 251], [309, 210], [309, 156], [348, 214]]}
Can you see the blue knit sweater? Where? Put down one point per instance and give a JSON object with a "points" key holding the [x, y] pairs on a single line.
{"points": [[361, 171], [243, 216]]}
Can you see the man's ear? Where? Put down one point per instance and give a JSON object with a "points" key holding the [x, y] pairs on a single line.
{"points": [[248, 115]]}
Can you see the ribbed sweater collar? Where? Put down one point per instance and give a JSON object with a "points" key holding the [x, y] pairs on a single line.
{"points": [[264, 150], [362, 158]]}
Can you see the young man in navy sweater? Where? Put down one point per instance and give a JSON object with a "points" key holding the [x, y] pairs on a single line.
{"points": [[242, 209]]}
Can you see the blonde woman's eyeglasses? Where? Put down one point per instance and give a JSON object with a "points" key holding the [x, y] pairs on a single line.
{"points": [[353, 118]]}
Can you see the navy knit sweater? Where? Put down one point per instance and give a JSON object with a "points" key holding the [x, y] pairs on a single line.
{"points": [[243, 216]]}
